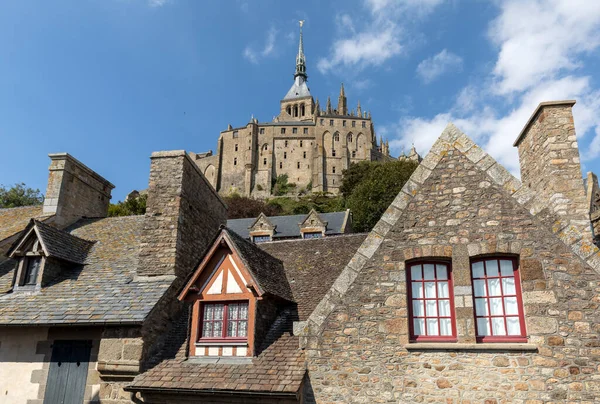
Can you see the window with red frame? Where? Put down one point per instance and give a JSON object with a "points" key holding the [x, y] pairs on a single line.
{"points": [[497, 300], [225, 321], [431, 302]]}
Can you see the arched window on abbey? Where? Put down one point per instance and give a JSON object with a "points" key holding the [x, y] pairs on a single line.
{"points": [[336, 137], [302, 110]]}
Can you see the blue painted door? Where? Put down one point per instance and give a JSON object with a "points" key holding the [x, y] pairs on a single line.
{"points": [[68, 372]]}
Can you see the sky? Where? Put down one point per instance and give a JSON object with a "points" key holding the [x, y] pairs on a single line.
{"points": [[111, 81]]}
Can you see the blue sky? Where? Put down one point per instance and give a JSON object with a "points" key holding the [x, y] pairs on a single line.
{"points": [[110, 81]]}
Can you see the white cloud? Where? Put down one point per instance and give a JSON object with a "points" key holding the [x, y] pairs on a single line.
{"points": [[376, 39], [536, 62], [254, 55], [435, 66], [539, 39]]}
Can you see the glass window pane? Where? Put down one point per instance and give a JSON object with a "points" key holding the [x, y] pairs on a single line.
{"points": [[479, 287], [243, 311], [496, 306], [506, 268], [208, 312], [419, 326], [243, 329], [443, 290], [232, 329], [415, 272], [508, 286], [431, 308], [444, 308], [491, 267], [429, 271], [417, 289], [218, 312], [510, 305], [233, 311], [430, 289], [432, 327], [217, 329], [483, 326], [478, 270], [481, 307], [498, 326], [514, 327], [418, 308], [206, 330], [494, 287], [442, 272], [445, 326]]}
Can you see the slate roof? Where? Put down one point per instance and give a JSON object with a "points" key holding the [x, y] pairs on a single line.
{"points": [[277, 369], [102, 291], [61, 244], [14, 220], [266, 270], [298, 90], [287, 226], [311, 266]]}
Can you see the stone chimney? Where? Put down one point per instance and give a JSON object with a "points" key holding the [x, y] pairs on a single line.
{"points": [[549, 158], [74, 191], [183, 214]]}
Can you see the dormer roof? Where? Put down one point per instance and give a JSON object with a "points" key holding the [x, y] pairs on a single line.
{"points": [[55, 243], [266, 271], [313, 220], [262, 222]]}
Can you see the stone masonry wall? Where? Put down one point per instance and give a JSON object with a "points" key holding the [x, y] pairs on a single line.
{"points": [[550, 163], [74, 191], [363, 354]]}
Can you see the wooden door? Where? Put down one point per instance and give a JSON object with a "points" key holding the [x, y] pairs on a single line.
{"points": [[68, 372]]}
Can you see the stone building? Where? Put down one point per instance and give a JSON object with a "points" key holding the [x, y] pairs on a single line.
{"points": [[472, 287], [308, 143]]}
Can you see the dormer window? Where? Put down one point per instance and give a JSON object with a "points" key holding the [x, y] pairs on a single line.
{"points": [[31, 269]]}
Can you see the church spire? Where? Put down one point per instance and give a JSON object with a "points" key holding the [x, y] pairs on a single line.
{"points": [[342, 104], [300, 59], [329, 110]]}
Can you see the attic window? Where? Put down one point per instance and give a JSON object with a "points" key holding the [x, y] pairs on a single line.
{"points": [[31, 269], [315, 234], [225, 321]]}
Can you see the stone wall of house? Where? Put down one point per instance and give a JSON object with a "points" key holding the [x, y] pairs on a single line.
{"points": [[550, 163], [75, 191], [362, 353], [25, 354]]}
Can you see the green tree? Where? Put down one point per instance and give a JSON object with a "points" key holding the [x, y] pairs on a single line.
{"points": [[354, 175], [241, 207], [373, 194], [129, 207], [19, 195]]}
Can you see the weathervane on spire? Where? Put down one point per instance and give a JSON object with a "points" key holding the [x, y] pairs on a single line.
{"points": [[300, 59], [301, 23]]}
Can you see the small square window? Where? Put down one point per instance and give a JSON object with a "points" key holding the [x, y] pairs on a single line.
{"points": [[280, 165], [301, 143], [333, 153], [294, 130], [343, 123], [228, 321], [353, 153], [284, 155], [298, 164], [264, 162], [236, 147], [283, 131], [331, 122], [285, 143], [353, 124], [364, 124], [305, 131], [235, 134], [322, 122], [304, 154], [333, 169], [235, 161], [261, 131]]}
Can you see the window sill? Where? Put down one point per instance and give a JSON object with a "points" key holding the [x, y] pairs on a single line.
{"points": [[223, 360], [222, 343], [450, 346]]}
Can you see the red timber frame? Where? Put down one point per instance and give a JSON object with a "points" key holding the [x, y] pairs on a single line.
{"points": [[452, 317], [518, 294], [217, 261]]}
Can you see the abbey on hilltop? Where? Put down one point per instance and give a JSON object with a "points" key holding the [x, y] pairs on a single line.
{"points": [[309, 144]]}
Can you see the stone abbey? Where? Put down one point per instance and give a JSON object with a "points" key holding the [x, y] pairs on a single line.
{"points": [[308, 144]]}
